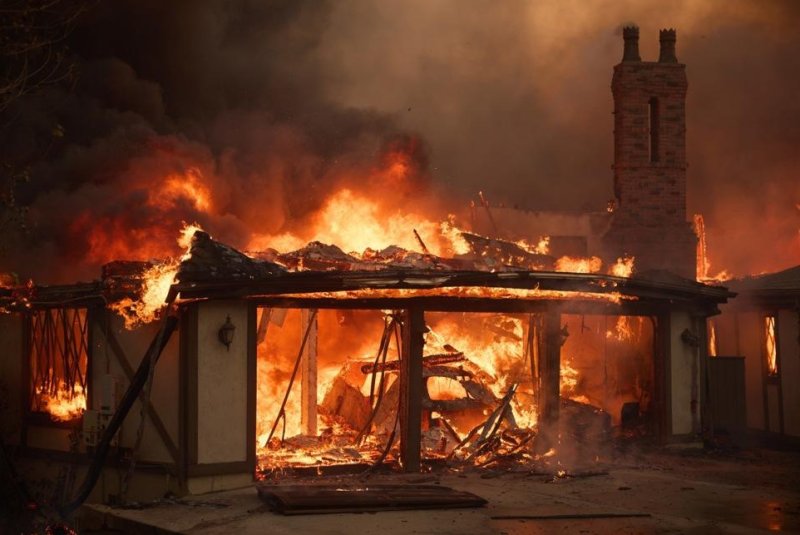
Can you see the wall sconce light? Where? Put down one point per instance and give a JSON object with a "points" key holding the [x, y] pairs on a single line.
{"points": [[226, 333], [690, 339]]}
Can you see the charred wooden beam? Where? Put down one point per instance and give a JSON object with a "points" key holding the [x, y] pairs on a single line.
{"points": [[411, 388], [308, 373], [430, 360], [549, 378]]}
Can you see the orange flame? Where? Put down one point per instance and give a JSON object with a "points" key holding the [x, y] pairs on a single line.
{"points": [[65, 404], [622, 329], [355, 223], [770, 345], [156, 282], [623, 267], [579, 264]]}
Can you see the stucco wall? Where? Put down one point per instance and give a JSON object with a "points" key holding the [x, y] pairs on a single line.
{"points": [[684, 376], [164, 392], [221, 384]]}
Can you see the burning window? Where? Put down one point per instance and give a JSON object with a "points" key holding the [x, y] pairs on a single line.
{"points": [[58, 357], [770, 346]]}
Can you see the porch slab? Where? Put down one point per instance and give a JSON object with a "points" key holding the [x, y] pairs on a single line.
{"points": [[682, 492]]}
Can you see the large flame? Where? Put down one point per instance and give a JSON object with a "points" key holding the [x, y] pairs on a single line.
{"points": [[703, 261], [65, 404], [356, 222], [156, 282]]}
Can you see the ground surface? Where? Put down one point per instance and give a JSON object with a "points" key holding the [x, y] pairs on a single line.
{"points": [[683, 491]]}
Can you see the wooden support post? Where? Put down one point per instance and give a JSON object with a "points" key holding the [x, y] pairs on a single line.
{"points": [[308, 374], [549, 378], [662, 403], [411, 385], [532, 349]]}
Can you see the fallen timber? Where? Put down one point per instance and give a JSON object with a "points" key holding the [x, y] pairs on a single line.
{"points": [[430, 360]]}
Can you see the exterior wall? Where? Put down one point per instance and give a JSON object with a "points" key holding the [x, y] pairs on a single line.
{"points": [[222, 379], [11, 395], [684, 377], [773, 405], [113, 343], [46, 449], [650, 182], [789, 368]]}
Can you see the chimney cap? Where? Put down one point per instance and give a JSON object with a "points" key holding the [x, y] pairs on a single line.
{"points": [[631, 31], [667, 38], [667, 34], [630, 34]]}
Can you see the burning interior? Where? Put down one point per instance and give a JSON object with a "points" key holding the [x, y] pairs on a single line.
{"points": [[333, 360], [410, 343]]}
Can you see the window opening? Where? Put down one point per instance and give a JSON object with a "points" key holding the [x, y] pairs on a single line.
{"points": [[770, 346], [58, 358]]}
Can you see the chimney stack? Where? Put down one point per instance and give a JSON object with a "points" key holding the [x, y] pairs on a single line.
{"points": [[667, 39], [631, 36]]}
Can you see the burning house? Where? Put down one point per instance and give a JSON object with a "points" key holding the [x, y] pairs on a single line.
{"points": [[202, 373], [454, 346]]}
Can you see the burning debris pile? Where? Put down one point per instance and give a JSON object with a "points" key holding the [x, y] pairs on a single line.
{"points": [[478, 400]]}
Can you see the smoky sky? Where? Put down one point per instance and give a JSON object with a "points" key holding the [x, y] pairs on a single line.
{"points": [[273, 99]]}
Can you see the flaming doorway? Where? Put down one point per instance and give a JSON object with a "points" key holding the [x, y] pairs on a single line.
{"points": [[329, 383]]}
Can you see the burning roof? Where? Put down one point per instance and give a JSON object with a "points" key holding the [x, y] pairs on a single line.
{"points": [[325, 274]]}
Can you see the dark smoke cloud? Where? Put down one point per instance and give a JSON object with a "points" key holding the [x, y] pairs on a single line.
{"points": [[276, 101], [228, 90], [514, 99]]}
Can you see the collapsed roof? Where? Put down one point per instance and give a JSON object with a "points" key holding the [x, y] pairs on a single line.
{"points": [[320, 275]]}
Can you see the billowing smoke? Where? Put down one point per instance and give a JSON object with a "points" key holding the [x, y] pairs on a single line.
{"points": [[243, 115], [214, 113], [514, 99]]}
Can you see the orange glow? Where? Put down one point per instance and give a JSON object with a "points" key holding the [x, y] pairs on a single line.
{"points": [[623, 267], [770, 345], [355, 223], [569, 378], [572, 264], [156, 282], [623, 329], [146, 231], [341, 351], [185, 187], [453, 235], [542, 246], [703, 262], [64, 405], [499, 359], [712, 339], [466, 291]]}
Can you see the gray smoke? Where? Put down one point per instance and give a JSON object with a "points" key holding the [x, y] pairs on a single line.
{"points": [[275, 102]]}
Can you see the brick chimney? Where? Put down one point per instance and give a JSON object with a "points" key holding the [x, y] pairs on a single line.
{"points": [[650, 160]]}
